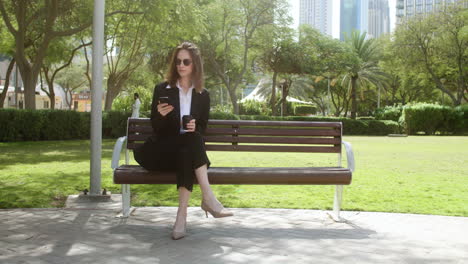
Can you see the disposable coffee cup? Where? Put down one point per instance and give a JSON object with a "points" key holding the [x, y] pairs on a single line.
{"points": [[185, 120]]}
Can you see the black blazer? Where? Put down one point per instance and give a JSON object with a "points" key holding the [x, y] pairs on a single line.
{"points": [[170, 124]]}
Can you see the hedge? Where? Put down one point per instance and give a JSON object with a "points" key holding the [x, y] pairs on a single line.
{"points": [[305, 109], [389, 113], [432, 118], [30, 125]]}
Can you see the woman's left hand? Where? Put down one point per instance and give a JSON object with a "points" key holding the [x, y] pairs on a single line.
{"points": [[191, 126]]}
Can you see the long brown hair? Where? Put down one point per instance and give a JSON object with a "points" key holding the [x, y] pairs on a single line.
{"points": [[197, 71]]}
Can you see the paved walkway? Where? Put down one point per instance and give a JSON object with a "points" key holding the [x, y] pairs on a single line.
{"points": [[93, 235]]}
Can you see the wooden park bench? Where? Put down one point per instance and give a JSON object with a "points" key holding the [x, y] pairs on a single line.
{"points": [[247, 136]]}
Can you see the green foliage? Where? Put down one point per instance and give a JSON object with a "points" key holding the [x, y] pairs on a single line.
{"points": [[223, 115], [304, 109], [59, 124], [350, 126], [389, 113], [432, 48], [33, 125], [114, 123], [432, 118], [252, 107]]}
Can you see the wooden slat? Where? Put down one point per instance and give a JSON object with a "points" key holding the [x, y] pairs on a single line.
{"points": [[274, 132], [139, 121], [138, 137], [131, 174], [212, 122], [140, 129], [279, 140], [261, 148]]}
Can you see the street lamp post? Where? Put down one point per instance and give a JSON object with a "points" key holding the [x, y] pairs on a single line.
{"points": [[96, 97]]}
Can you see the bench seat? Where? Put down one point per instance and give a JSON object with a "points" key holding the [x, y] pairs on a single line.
{"points": [[247, 136], [134, 174]]}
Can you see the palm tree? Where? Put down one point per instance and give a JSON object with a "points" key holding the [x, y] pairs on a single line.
{"points": [[364, 70]]}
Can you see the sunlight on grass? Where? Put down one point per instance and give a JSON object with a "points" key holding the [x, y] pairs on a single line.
{"points": [[426, 175]]}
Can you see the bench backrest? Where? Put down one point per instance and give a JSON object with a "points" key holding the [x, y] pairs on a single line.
{"points": [[250, 135]]}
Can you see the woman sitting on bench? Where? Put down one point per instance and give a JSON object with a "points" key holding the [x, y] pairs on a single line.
{"points": [[179, 116]]}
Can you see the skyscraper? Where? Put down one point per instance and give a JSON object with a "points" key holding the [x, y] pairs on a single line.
{"points": [[411, 8], [318, 14], [379, 18], [353, 16]]}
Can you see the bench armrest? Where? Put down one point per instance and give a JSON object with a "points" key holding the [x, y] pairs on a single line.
{"points": [[117, 150], [349, 155]]}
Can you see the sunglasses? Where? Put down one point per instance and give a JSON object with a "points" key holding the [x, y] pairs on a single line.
{"points": [[186, 62]]}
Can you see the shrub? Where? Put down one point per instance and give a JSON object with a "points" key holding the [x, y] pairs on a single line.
{"points": [[429, 118], [114, 123], [252, 107], [30, 125], [365, 118], [223, 115], [389, 113], [305, 110]]}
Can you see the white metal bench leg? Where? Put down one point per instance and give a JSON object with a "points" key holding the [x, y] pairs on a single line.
{"points": [[125, 200], [337, 204]]}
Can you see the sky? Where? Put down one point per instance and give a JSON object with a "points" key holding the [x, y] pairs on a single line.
{"points": [[336, 15]]}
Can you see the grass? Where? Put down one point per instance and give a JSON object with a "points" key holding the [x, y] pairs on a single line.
{"points": [[421, 174]]}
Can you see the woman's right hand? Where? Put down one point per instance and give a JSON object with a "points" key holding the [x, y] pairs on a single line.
{"points": [[165, 108]]}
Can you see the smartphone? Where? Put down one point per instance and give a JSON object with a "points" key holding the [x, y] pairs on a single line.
{"points": [[164, 99]]}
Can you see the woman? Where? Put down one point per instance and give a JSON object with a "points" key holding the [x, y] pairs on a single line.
{"points": [[174, 148]]}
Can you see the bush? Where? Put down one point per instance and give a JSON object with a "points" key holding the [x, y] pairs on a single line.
{"points": [[114, 123], [432, 118], [389, 113], [350, 126], [223, 116], [31, 125], [305, 110], [252, 107], [365, 118]]}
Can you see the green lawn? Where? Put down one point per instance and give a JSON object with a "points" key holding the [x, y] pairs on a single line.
{"points": [[424, 174]]}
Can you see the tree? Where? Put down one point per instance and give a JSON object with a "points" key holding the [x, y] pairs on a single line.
{"points": [[325, 59], [33, 25], [231, 28], [365, 69], [71, 79], [435, 46], [62, 51], [281, 55], [6, 48]]}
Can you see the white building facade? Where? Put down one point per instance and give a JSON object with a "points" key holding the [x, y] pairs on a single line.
{"points": [[318, 14]]}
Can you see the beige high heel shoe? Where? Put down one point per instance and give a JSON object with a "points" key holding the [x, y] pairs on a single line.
{"points": [[178, 235], [216, 214]]}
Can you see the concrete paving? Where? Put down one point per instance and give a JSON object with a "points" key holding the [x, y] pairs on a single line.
{"points": [[91, 233]]}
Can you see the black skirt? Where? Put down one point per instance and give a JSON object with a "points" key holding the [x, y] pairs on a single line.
{"points": [[180, 153]]}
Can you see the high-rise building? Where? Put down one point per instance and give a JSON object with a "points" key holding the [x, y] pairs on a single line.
{"points": [[379, 18], [353, 16], [318, 14], [411, 8]]}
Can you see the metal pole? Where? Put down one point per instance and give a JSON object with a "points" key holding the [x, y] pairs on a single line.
{"points": [[329, 97], [96, 97], [378, 98]]}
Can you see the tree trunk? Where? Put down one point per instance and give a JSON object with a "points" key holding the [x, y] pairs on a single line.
{"points": [[50, 87], [233, 96], [29, 82], [7, 82], [284, 95], [353, 97], [113, 89], [273, 94]]}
